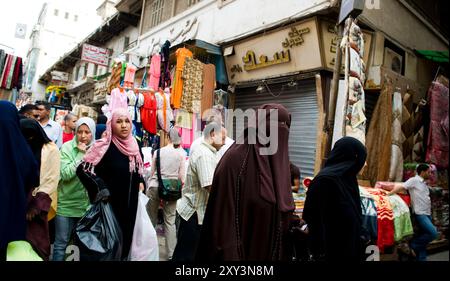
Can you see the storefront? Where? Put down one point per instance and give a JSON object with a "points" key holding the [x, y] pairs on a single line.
{"points": [[291, 66]]}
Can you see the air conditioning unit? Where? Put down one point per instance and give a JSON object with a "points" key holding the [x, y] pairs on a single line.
{"points": [[393, 60]]}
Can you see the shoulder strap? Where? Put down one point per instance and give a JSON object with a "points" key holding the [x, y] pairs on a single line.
{"points": [[158, 165]]}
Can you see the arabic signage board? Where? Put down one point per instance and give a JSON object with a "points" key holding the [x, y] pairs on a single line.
{"points": [[95, 55], [291, 49], [60, 76], [351, 7]]}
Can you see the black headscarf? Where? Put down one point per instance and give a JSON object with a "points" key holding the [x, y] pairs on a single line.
{"points": [[19, 174], [35, 136], [333, 205], [295, 172]]}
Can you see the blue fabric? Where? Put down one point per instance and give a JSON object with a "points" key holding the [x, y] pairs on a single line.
{"points": [[427, 233], [99, 129], [369, 219], [63, 230], [18, 174]]}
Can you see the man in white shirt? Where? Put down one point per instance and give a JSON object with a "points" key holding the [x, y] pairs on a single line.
{"points": [[51, 128], [227, 144], [192, 205], [421, 206]]}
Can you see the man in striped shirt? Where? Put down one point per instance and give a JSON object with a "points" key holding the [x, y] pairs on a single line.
{"points": [[192, 205]]}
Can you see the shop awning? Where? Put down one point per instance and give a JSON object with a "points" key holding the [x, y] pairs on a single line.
{"points": [[195, 45], [436, 56]]}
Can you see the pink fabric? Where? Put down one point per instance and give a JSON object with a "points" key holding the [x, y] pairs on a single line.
{"points": [[128, 146], [129, 75], [118, 100], [155, 72]]}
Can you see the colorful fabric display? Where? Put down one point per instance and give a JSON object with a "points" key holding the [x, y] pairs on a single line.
{"points": [[402, 218]]}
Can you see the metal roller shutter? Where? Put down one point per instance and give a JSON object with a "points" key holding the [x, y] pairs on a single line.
{"points": [[301, 101]]}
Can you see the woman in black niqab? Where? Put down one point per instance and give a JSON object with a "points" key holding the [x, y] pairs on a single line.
{"points": [[332, 207], [18, 175]]}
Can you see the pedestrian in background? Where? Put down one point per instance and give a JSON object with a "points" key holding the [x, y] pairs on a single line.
{"points": [[73, 200], [51, 128], [69, 127], [42, 200]]}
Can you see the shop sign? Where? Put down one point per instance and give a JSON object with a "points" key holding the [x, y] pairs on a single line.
{"points": [[331, 43], [60, 76], [95, 55], [292, 49]]}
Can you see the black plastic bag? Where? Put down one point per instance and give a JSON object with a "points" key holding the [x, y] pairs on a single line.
{"points": [[98, 234]]}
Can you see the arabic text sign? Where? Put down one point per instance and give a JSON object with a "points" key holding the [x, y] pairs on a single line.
{"points": [[95, 55]]}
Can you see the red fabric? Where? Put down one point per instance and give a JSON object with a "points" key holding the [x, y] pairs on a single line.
{"points": [[437, 149], [406, 198], [148, 112], [15, 77], [7, 69], [67, 137], [385, 217]]}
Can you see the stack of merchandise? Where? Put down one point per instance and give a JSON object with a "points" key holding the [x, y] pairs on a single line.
{"points": [[353, 48], [299, 200]]}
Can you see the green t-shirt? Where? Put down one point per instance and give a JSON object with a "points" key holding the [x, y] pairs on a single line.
{"points": [[73, 200]]}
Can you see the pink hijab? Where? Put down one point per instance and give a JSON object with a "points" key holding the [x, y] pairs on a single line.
{"points": [[128, 146]]}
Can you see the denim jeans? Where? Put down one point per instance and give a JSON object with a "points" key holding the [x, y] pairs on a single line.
{"points": [[63, 231], [427, 233]]}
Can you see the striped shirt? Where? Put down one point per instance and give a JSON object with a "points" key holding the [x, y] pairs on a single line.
{"points": [[202, 164]]}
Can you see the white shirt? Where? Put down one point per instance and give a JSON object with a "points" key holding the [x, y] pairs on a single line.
{"points": [[172, 165], [202, 164], [420, 195], [54, 132], [220, 153]]}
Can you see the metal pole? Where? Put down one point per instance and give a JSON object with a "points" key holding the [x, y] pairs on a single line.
{"points": [[333, 93]]}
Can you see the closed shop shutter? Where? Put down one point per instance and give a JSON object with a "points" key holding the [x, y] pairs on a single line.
{"points": [[301, 101]]}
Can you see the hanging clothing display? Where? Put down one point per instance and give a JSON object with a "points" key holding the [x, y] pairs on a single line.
{"points": [[148, 112], [209, 84], [129, 76], [396, 166], [11, 75], [135, 102], [192, 85], [353, 45], [177, 87], [165, 114], [155, 72], [183, 119], [114, 78], [437, 142], [118, 99], [379, 136], [165, 79]]}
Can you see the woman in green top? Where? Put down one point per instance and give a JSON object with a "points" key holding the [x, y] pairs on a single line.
{"points": [[73, 200]]}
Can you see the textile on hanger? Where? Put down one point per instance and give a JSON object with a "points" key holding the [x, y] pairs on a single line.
{"points": [[155, 72], [177, 88], [148, 112], [192, 85]]}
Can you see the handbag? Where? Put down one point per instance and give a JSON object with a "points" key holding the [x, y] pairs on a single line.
{"points": [[169, 189]]}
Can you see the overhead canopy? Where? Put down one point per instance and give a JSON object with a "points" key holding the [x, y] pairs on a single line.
{"points": [[206, 53], [436, 56]]}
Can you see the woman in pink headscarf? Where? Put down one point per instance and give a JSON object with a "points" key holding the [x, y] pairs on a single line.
{"points": [[115, 162]]}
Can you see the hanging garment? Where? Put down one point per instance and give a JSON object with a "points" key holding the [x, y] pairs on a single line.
{"points": [[379, 145], [402, 218], [2, 62], [437, 148], [192, 85], [6, 71], [155, 72], [129, 76], [135, 102], [165, 72], [114, 79], [177, 90], [165, 115], [209, 84], [385, 216], [183, 119], [15, 74], [118, 99], [148, 112], [396, 167]]}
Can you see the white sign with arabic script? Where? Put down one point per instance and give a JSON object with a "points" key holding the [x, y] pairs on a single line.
{"points": [[95, 55]]}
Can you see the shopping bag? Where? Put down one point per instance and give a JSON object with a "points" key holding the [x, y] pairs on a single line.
{"points": [[98, 234], [144, 246], [21, 251]]}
